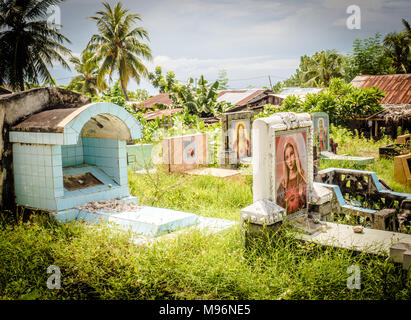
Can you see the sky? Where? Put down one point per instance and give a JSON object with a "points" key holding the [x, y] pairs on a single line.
{"points": [[250, 39]]}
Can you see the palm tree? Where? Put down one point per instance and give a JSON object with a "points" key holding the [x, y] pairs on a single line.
{"points": [[29, 44], [86, 81], [322, 67], [398, 48], [117, 45]]}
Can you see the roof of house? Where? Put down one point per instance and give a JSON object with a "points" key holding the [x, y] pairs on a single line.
{"points": [[239, 97], [211, 120], [397, 87], [287, 91], [393, 113], [160, 113], [162, 98], [300, 91]]}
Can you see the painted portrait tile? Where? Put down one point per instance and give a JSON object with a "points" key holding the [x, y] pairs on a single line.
{"points": [[241, 138], [189, 154], [291, 171], [321, 133]]}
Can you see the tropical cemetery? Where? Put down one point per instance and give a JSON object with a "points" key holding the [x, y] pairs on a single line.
{"points": [[199, 192]]}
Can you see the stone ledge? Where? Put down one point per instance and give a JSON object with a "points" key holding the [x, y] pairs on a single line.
{"points": [[263, 212]]}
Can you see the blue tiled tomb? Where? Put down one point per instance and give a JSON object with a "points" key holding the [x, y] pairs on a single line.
{"points": [[51, 146]]}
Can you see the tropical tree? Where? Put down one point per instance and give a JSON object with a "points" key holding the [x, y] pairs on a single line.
{"points": [[200, 101], [368, 57], [397, 47], [341, 101], [321, 68], [168, 83], [29, 43], [222, 79], [86, 81], [117, 44], [139, 94]]}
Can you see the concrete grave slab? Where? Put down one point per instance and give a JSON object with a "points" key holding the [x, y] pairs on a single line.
{"points": [[397, 251], [151, 221], [206, 225], [145, 222], [370, 241], [326, 155]]}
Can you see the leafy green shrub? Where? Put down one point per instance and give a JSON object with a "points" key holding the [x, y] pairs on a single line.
{"points": [[340, 101]]}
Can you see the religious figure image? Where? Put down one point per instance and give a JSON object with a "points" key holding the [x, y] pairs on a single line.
{"points": [[290, 174], [321, 133], [241, 140], [189, 152]]}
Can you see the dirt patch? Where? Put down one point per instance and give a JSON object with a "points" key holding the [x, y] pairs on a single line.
{"points": [[80, 181]]}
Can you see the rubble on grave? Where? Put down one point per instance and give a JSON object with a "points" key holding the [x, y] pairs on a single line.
{"points": [[109, 205]]}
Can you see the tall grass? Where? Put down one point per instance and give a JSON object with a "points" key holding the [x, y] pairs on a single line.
{"points": [[202, 195], [101, 262]]}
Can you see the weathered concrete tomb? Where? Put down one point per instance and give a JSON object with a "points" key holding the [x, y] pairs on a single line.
{"points": [[68, 157], [15, 108], [63, 158]]}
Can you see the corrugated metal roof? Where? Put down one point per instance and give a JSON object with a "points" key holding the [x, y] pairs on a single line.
{"points": [[296, 91], [238, 97], [162, 98], [397, 87], [300, 91], [159, 113]]}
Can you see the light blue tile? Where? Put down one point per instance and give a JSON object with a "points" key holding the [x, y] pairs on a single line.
{"points": [[59, 192], [79, 159], [130, 122], [13, 136], [18, 189], [57, 182], [76, 124], [18, 169], [42, 171], [101, 108]]}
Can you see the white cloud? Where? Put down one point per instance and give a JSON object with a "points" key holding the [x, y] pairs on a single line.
{"points": [[237, 68]]}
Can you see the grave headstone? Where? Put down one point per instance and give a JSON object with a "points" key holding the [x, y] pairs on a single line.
{"points": [[404, 139], [325, 147], [236, 138], [321, 125], [139, 156], [283, 184], [402, 167], [185, 152]]}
